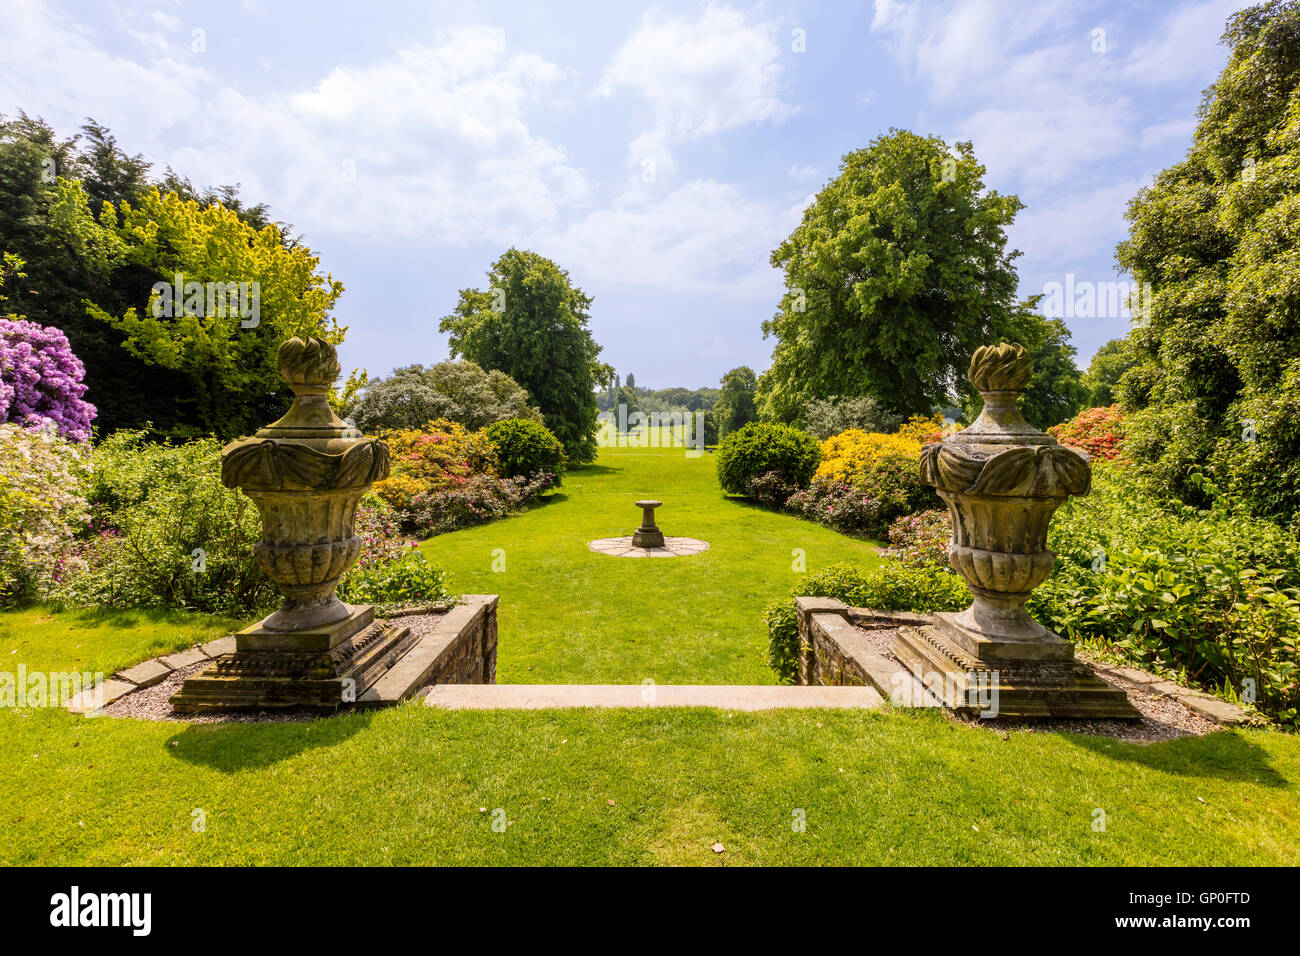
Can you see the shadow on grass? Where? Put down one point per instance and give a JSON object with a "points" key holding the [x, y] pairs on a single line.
{"points": [[749, 504], [136, 617], [592, 469], [230, 748], [1222, 755]]}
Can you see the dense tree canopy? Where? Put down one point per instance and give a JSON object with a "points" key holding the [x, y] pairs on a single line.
{"points": [[1216, 384], [897, 273], [61, 202], [531, 323], [735, 407], [1108, 365], [242, 293], [458, 391]]}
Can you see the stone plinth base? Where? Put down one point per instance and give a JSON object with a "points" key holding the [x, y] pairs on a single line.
{"points": [[320, 670], [1002, 685], [647, 538], [926, 667]]}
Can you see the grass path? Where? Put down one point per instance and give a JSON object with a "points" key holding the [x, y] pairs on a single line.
{"points": [[569, 615]]}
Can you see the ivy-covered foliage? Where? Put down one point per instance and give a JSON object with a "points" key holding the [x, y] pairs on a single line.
{"points": [[1216, 384]]}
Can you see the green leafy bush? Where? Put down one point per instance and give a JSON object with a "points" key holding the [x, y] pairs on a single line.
{"points": [[408, 580], [165, 532], [763, 447], [526, 448], [1211, 598], [893, 587]]}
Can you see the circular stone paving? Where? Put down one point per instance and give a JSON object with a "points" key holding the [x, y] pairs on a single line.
{"points": [[673, 548]]}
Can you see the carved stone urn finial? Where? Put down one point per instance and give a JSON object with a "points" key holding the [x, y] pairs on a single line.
{"points": [[306, 474], [1002, 479]]}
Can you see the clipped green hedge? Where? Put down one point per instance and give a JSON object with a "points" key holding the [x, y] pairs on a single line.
{"points": [[525, 448], [763, 448]]}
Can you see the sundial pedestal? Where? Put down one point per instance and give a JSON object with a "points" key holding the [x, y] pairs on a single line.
{"points": [[648, 535]]}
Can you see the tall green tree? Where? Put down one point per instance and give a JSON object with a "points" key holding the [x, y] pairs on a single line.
{"points": [[1216, 384], [897, 273], [735, 407], [532, 323], [1108, 365], [243, 292]]}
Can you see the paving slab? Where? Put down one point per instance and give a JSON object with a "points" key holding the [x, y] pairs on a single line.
{"points": [[90, 699], [223, 645], [184, 658], [721, 696], [146, 673]]}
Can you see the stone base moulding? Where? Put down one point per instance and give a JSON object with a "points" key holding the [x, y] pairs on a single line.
{"points": [[393, 660], [927, 668], [627, 548]]}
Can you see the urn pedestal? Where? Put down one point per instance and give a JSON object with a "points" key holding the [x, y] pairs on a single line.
{"points": [[1002, 479], [305, 473]]}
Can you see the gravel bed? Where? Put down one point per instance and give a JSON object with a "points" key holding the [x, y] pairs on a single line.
{"points": [[1162, 717]]}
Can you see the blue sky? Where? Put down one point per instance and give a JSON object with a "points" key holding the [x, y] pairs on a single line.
{"points": [[658, 153]]}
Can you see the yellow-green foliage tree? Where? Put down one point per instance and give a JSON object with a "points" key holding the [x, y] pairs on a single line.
{"points": [[226, 294]]}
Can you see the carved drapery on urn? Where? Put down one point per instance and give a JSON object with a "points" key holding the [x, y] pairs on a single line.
{"points": [[306, 473], [1002, 479]]}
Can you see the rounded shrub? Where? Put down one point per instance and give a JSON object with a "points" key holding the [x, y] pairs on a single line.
{"points": [[764, 448], [525, 448]]}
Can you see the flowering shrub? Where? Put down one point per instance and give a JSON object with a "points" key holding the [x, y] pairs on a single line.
{"points": [[770, 488], [921, 540], [1098, 431], [40, 379], [839, 505], [381, 539], [474, 500], [848, 456], [42, 506], [434, 457]]}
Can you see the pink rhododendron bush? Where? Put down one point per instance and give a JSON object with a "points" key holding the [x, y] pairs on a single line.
{"points": [[40, 379], [41, 507]]}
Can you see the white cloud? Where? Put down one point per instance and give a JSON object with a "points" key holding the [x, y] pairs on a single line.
{"points": [[699, 77], [703, 237], [1185, 46], [437, 135], [1041, 104]]}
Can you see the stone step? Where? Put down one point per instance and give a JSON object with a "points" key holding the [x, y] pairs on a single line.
{"points": [[721, 696]]}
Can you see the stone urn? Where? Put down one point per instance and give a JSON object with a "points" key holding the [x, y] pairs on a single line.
{"points": [[306, 474], [1002, 479]]}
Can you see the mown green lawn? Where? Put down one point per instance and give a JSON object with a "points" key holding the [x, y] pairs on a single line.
{"points": [[414, 785], [569, 615]]}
